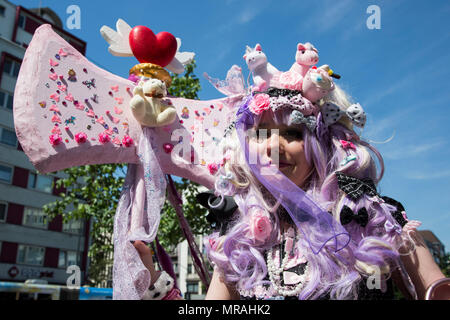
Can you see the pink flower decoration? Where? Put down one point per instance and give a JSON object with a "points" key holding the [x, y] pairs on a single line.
{"points": [[81, 137], [260, 103], [127, 141], [55, 139], [291, 80], [260, 225], [212, 167], [103, 138]]}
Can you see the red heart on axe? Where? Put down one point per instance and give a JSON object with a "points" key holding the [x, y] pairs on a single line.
{"points": [[148, 48]]}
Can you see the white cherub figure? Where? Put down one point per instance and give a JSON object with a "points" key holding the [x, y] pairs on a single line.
{"points": [[262, 70], [148, 107]]}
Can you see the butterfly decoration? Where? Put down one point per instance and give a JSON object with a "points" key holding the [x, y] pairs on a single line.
{"points": [[70, 120], [95, 98], [90, 83], [354, 187], [53, 63], [347, 215], [62, 53]]}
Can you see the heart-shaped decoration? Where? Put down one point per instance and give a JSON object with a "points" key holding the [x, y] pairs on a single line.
{"points": [[150, 48]]}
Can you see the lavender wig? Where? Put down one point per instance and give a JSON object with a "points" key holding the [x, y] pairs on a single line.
{"points": [[240, 259]]}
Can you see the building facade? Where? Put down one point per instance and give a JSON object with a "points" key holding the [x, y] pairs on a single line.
{"points": [[30, 247]]}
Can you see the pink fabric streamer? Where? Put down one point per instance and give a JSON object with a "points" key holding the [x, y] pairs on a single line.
{"points": [[165, 261], [137, 218]]}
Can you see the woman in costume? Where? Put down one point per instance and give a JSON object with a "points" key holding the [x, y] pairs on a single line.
{"points": [[295, 205], [305, 220]]}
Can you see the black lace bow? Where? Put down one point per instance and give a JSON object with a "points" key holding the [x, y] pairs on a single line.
{"points": [[354, 187]]}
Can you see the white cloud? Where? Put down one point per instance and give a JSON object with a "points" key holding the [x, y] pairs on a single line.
{"points": [[398, 152], [421, 175], [327, 17]]}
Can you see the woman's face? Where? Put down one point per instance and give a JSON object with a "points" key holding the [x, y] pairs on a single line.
{"points": [[292, 161]]}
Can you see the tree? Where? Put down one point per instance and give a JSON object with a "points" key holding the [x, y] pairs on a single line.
{"points": [[93, 191]]}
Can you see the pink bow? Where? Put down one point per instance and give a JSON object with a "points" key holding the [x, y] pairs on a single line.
{"points": [[347, 144]]}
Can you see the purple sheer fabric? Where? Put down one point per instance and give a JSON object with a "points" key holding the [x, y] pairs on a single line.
{"points": [[316, 224], [137, 218]]}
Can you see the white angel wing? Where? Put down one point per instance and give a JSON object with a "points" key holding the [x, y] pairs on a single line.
{"points": [[180, 60], [118, 40]]}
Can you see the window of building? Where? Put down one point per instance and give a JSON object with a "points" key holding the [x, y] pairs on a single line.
{"points": [[3, 211], [192, 287], [34, 217], [40, 182], [22, 22], [30, 255], [2, 11], [11, 67], [189, 268], [5, 173], [8, 137], [68, 258], [73, 226], [6, 99]]}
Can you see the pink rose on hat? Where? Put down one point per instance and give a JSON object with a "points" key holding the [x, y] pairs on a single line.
{"points": [[260, 225], [259, 103]]}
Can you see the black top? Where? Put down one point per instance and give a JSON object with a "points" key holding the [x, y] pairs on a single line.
{"points": [[221, 217]]}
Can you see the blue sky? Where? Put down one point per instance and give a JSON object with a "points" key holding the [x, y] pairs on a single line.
{"points": [[397, 73]]}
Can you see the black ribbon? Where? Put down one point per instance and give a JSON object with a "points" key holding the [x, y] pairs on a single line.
{"points": [[398, 214], [354, 187], [220, 216], [361, 218]]}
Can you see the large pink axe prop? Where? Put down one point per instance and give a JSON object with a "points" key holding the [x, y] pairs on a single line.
{"points": [[69, 112]]}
